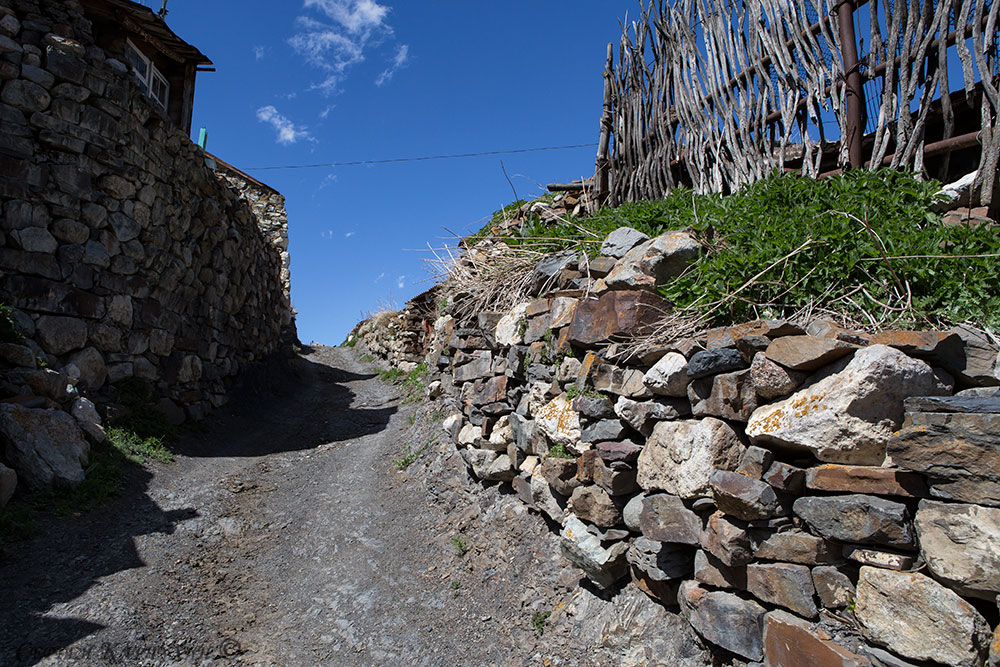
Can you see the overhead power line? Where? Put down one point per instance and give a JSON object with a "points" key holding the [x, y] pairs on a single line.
{"points": [[421, 158]]}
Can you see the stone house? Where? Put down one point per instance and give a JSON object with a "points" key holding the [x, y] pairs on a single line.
{"points": [[124, 252]]}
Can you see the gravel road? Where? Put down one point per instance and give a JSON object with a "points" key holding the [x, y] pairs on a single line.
{"points": [[286, 535]]}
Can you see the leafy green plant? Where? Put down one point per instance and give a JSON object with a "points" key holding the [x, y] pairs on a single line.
{"points": [[350, 341], [539, 619], [137, 448], [460, 544], [559, 451], [455, 586], [8, 330], [409, 456], [367, 358], [391, 375], [862, 243]]}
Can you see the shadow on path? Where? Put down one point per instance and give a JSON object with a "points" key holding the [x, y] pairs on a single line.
{"points": [[278, 407]]}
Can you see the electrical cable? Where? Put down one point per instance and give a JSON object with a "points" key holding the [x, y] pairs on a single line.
{"points": [[421, 158]]}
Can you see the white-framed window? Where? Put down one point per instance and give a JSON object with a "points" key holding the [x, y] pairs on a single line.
{"points": [[150, 79]]}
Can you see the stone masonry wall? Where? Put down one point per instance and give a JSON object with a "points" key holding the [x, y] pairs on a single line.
{"points": [[122, 252], [800, 493]]}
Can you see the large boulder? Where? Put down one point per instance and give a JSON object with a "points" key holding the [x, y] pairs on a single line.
{"points": [[654, 262], [621, 313], [918, 618], [45, 447], [679, 456], [961, 545], [725, 619], [849, 416]]}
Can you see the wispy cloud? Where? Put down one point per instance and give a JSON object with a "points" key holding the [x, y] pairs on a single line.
{"points": [[400, 282], [349, 235], [259, 52], [339, 41], [380, 276], [326, 111], [328, 234], [288, 132], [402, 55]]}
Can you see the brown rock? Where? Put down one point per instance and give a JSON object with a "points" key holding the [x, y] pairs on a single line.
{"points": [[744, 497], [782, 584], [796, 546], [786, 478], [585, 466], [866, 479], [727, 540], [770, 380], [617, 479], [710, 571], [593, 504], [626, 451], [833, 586], [807, 353], [493, 390], [665, 518], [615, 313], [560, 474], [790, 641], [726, 396]]}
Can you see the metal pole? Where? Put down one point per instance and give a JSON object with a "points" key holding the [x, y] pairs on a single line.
{"points": [[601, 175], [854, 131]]}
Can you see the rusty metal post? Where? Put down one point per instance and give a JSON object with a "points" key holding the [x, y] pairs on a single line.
{"points": [[854, 131], [602, 185]]}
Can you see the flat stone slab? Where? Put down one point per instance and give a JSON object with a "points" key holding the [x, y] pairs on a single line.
{"points": [[783, 584], [961, 545], [858, 519], [807, 353], [866, 479], [918, 618], [618, 313], [790, 641], [665, 518]]}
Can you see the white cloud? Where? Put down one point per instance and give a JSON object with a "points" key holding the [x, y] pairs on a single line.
{"points": [[340, 42], [328, 234], [402, 55], [399, 282], [259, 52], [349, 235], [288, 132], [380, 276], [354, 15], [326, 111]]}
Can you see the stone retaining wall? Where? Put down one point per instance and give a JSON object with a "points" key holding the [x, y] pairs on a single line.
{"points": [[123, 253], [800, 493]]}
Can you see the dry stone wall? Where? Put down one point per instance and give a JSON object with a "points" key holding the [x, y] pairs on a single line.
{"points": [[800, 493], [122, 252]]}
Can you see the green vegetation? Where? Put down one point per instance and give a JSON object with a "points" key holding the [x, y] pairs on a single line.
{"points": [[558, 451], [455, 585], [862, 243], [139, 449], [539, 619], [413, 383], [409, 456], [460, 545], [8, 330], [367, 358], [350, 341], [572, 392]]}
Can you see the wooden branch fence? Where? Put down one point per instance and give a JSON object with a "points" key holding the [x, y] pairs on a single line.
{"points": [[717, 94]]}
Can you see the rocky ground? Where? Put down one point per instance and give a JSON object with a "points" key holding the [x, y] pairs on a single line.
{"points": [[286, 534]]}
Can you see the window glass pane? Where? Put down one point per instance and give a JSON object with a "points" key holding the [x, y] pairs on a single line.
{"points": [[160, 88], [137, 61]]}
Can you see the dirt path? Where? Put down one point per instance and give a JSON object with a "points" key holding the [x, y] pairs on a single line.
{"points": [[285, 535]]}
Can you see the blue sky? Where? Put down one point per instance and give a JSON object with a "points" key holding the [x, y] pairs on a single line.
{"points": [[320, 81]]}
